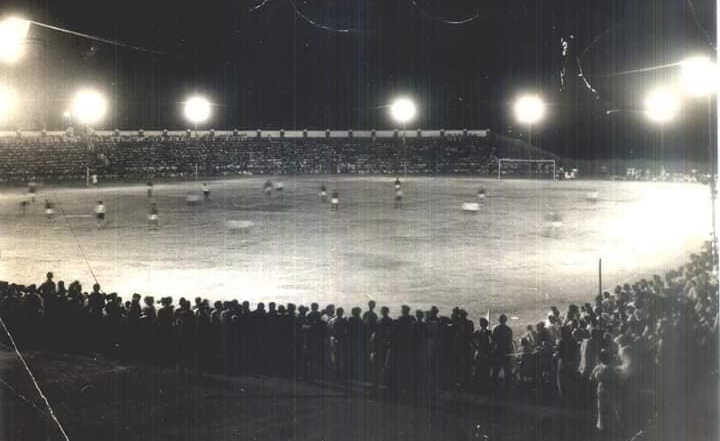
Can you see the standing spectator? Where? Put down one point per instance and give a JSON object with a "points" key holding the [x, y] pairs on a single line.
{"points": [[482, 360], [606, 379], [502, 337], [357, 339], [567, 355], [381, 342], [338, 330]]}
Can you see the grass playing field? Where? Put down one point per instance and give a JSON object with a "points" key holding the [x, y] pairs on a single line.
{"points": [[429, 252]]}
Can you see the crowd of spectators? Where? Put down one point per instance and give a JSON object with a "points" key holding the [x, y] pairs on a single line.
{"points": [[627, 355], [58, 158]]}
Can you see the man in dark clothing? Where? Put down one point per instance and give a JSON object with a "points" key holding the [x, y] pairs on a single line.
{"points": [[338, 329], [402, 348], [482, 342], [357, 340], [502, 338], [382, 342]]}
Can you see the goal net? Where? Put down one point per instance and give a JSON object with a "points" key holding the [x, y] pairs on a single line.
{"points": [[526, 168]]}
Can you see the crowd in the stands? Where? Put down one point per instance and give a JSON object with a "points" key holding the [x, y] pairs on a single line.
{"points": [[628, 355], [62, 158]]}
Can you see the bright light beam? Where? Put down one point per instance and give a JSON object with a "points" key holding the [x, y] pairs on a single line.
{"points": [[529, 109], [661, 105], [13, 32], [699, 76], [403, 110], [197, 109], [88, 107]]}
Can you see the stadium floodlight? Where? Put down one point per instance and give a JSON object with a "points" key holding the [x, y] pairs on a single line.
{"points": [[13, 31], [661, 105], [197, 110], [88, 107], [699, 76], [403, 110], [8, 103], [529, 109]]}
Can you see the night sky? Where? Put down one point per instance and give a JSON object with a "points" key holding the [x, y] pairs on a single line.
{"points": [[270, 68]]}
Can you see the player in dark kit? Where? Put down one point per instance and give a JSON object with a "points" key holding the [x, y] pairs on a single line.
{"points": [[49, 210], [32, 189], [23, 206], [206, 191], [481, 195], [397, 184], [323, 193], [149, 185]]}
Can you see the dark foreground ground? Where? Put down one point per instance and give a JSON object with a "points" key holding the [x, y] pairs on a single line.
{"points": [[99, 399]]}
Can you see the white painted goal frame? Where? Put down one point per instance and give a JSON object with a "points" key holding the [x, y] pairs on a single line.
{"points": [[529, 162]]}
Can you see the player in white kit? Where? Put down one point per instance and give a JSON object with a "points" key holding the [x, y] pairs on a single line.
{"points": [[153, 217], [100, 214]]}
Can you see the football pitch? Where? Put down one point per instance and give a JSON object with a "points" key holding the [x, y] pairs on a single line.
{"points": [[428, 252]]}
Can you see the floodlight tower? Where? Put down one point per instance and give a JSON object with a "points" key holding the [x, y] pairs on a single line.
{"points": [[31, 74], [8, 104], [661, 106], [88, 107], [197, 110], [13, 31], [699, 78], [529, 109], [403, 110]]}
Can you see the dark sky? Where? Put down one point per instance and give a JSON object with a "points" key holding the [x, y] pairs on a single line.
{"points": [[272, 69]]}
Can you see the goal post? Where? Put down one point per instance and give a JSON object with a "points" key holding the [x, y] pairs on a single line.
{"points": [[531, 167]]}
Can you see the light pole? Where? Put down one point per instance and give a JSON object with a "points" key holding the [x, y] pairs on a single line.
{"points": [[13, 42], [699, 77], [197, 111], [529, 110], [88, 107], [403, 110], [661, 106], [8, 104]]}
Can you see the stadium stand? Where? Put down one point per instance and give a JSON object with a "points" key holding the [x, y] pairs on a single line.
{"points": [[111, 156]]}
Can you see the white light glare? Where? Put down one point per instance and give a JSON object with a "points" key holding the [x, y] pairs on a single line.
{"points": [[699, 76], [88, 107], [8, 102], [197, 109], [403, 110], [13, 31], [661, 105], [529, 109]]}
